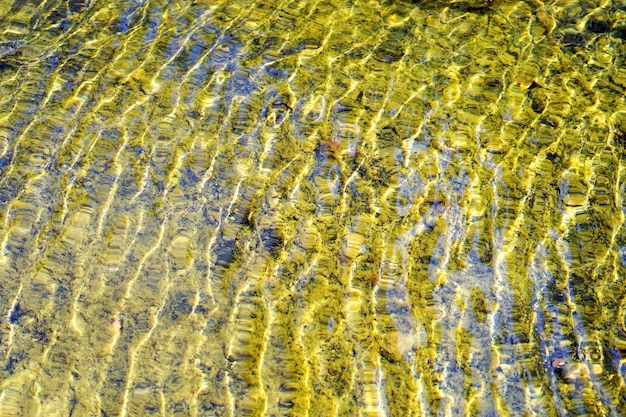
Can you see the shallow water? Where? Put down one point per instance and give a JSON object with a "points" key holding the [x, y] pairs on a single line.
{"points": [[312, 208]]}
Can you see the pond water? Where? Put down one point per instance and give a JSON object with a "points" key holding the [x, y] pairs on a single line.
{"points": [[312, 208]]}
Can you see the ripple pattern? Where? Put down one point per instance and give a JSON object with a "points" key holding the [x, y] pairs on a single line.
{"points": [[312, 208]]}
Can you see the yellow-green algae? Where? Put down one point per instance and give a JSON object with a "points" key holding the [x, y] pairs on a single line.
{"points": [[312, 208]]}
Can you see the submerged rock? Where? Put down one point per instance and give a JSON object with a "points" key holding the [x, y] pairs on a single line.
{"points": [[9, 48]]}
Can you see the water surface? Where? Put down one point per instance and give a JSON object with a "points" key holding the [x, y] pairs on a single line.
{"points": [[322, 208]]}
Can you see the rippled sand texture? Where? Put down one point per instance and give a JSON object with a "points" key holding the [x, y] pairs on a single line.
{"points": [[322, 208]]}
